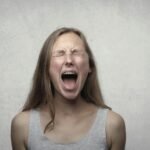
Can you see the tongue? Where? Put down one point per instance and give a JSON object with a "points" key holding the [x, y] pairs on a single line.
{"points": [[69, 84]]}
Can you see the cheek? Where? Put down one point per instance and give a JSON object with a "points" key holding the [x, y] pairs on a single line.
{"points": [[54, 67], [84, 65]]}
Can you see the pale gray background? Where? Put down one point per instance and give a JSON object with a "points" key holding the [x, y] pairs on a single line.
{"points": [[118, 32]]}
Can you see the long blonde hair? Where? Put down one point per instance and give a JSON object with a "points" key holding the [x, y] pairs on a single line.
{"points": [[42, 90]]}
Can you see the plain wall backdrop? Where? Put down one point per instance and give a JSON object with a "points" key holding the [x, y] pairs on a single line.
{"points": [[118, 32]]}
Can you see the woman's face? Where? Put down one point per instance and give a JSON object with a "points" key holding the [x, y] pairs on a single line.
{"points": [[69, 65]]}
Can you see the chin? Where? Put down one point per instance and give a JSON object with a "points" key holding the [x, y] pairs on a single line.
{"points": [[68, 95], [71, 97]]}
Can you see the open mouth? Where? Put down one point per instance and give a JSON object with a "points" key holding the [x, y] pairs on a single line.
{"points": [[69, 76]]}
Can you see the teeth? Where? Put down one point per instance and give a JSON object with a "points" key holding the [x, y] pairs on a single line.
{"points": [[69, 72]]}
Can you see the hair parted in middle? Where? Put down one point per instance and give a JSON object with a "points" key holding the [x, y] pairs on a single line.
{"points": [[42, 90]]}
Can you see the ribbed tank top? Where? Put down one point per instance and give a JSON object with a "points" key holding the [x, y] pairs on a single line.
{"points": [[95, 139]]}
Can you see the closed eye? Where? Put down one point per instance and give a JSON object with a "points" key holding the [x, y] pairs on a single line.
{"points": [[76, 52], [59, 53]]}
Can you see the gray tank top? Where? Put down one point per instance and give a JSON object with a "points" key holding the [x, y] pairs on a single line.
{"points": [[95, 139]]}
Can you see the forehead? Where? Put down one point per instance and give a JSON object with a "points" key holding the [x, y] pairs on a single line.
{"points": [[69, 40]]}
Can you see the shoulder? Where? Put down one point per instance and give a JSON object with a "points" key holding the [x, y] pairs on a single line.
{"points": [[19, 129], [115, 130], [114, 120], [21, 119]]}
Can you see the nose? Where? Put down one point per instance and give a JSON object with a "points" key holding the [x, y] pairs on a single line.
{"points": [[69, 59]]}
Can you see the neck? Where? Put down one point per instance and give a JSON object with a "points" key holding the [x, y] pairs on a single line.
{"points": [[68, 107]]}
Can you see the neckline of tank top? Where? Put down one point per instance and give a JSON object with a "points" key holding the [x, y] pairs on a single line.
{"points": [[79, 141]]}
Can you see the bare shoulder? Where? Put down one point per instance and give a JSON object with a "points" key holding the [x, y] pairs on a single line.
{"points": [[20, 121], [19, 130], [115, 130], [115, 120], [21, 118]]}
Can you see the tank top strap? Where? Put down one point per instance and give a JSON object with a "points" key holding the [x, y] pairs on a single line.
{"points": [[102, 117], [34, 127], [98, 131]]}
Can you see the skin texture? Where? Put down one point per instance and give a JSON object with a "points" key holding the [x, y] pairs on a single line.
{"points": [[72, 111], [69, 54], [115, 131]]}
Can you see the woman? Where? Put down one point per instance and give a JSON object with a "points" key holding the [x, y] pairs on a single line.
{"points": [[65, 109]]}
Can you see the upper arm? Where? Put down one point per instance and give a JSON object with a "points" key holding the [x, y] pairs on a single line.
{"points": [[19, 131], [116, 133]]}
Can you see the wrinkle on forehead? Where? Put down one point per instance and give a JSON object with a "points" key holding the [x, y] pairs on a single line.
{"points": [[68, 41]]}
